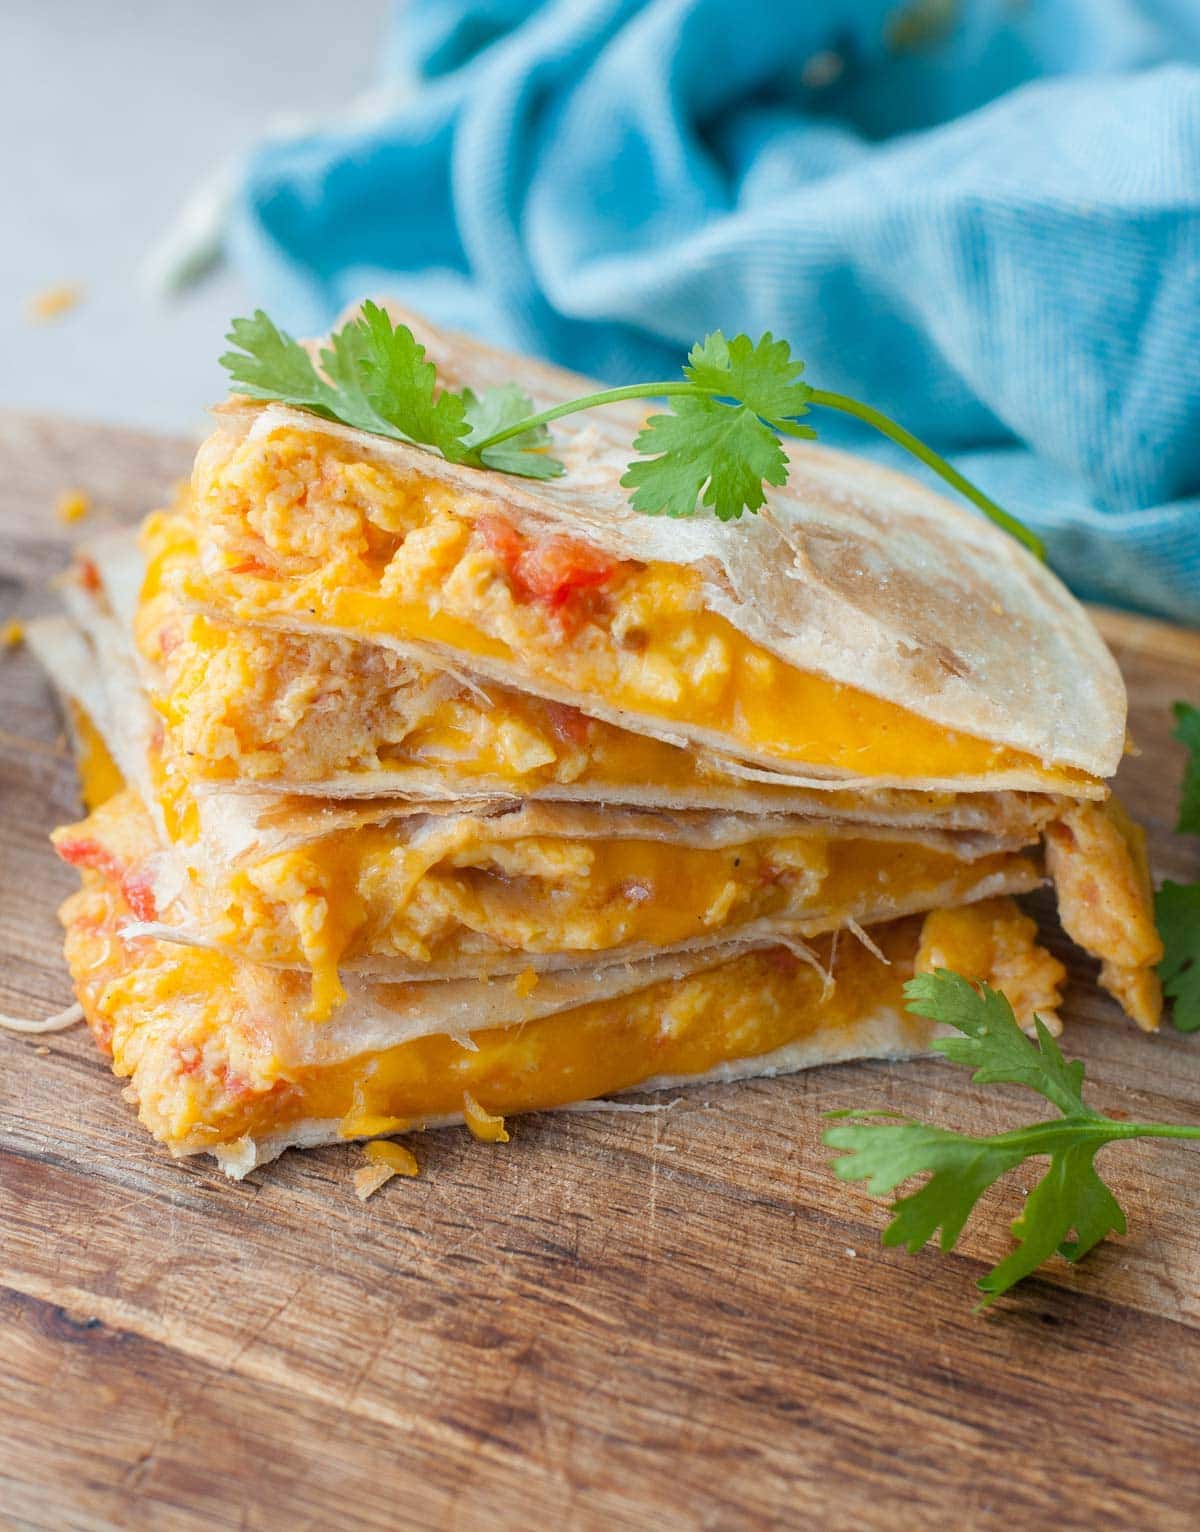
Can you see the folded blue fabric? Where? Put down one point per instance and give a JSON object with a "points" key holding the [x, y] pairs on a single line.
{"points": [[983, 218]]}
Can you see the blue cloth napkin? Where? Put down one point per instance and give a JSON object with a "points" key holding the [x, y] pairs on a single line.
{"points": [[983, 218]]}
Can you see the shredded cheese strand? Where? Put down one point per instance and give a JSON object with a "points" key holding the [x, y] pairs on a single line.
{"points": [[804, 952], [56, 1023], [855, 929]]}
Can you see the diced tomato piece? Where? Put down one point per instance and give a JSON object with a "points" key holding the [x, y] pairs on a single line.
{"points": [[139, 893], [502, 538], [550, 569], [86, 852], [89, 575], [134, 882], [239, 1088], [100, 1028], [553, 570]]}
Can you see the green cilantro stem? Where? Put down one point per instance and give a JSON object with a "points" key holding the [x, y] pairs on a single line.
{"points": [[1044, 1137], [848, 406], [904, 438], [591, 402], [1158, 1130]]}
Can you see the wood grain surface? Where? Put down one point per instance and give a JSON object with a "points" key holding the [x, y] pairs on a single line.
{"points": [[674, 1320]]}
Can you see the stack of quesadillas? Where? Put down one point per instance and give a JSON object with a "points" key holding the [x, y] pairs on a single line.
{"points": [[422, 793]]}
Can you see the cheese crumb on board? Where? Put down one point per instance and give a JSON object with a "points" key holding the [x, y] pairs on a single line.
{"points": [[484, 1125], [369, 1178], [384, 1160], [72, 505], [54, 302]]}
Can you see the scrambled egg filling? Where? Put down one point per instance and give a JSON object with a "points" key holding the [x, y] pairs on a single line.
{"points": [[192, 1030], [292, 526], [993, 940], [456, 890], [1096, 856], [252, 703]]}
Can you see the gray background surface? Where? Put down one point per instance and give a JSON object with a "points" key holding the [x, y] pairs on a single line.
{"points": [[111, 113]]}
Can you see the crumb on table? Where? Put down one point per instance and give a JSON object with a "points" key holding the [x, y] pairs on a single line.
{"points": [[72, 505], [385, 1159], [54, 302]]}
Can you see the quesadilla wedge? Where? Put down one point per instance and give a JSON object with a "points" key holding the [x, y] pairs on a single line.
{"points": [[219, 1061], [420, 793], [261, 709], [861, 629], [483, 885]]}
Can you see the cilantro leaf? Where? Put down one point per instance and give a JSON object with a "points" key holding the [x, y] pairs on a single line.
{"points": [[886, 1155], [376, 378], [993, 1044], [718, 454], [762, 375], [1177, 905], [343, 361], [401, 386], [1069, 1211], [269, 364], [1069, 1199], [1187, 731], [715, 453], [494, 411], [1177, 915]]}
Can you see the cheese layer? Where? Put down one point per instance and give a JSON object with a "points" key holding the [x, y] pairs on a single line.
{"points": [[192, 1030], [292, 526], [461, 891], [257, 705]]}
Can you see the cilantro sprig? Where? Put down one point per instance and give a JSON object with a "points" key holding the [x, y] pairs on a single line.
{"points": [[1187, 732], [374, 376], [1069, 1211], [1177, 905], [718, 447]]}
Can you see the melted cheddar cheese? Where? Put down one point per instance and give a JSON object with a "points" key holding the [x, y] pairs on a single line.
{"points": [[252, 703], [99, 776], [193, 1031], [458, 891], [291, 526], [257, 704]]}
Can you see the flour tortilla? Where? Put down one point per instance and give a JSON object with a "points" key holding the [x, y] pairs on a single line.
{"points": [[854, 572]]}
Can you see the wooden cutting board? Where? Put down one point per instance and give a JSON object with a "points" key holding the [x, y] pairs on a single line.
{"points": [[670, 1320]]}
